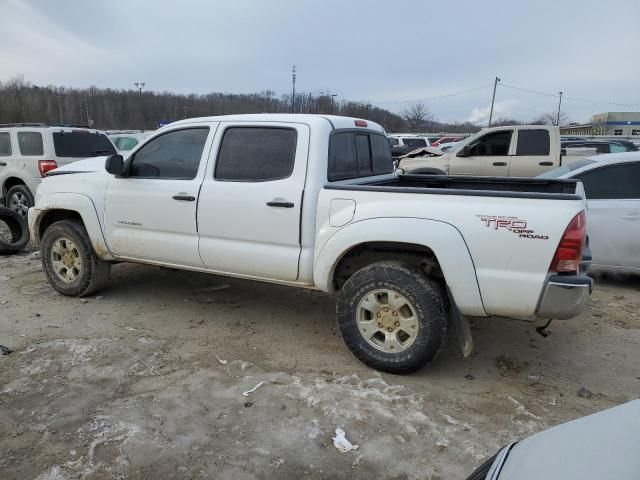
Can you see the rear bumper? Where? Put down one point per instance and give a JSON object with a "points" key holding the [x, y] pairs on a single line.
{"points": [[564, 297]]}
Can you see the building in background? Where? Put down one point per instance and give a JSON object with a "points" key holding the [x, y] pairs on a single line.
{"points": [[618, 124]]}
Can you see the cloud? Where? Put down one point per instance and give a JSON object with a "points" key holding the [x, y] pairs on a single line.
{"points": [[511, 108]]}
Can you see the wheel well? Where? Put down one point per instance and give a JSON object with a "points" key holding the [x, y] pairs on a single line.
{"points": [[367, 253], [10, 183], [53, 216]]}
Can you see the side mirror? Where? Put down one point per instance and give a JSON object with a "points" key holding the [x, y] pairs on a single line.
{"points": [[464, 152], [114, 165]]}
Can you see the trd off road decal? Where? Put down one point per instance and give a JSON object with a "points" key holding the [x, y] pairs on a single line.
{"points": [[512, 224]]}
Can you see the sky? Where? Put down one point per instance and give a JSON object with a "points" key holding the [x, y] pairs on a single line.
{"points": [[391, 54]]}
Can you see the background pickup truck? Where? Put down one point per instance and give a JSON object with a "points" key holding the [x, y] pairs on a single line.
{"points": [[310, 201], [514, 151]]}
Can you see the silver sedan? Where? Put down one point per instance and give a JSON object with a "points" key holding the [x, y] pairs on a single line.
{"points": [[612, 186]]}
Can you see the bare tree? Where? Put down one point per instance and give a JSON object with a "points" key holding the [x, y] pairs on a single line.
{"points": [[418, 117], [551, 118], [504, 121]]}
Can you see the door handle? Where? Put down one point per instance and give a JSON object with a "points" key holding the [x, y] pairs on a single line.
{"points": [[184, 198], [3, 164], [499, 164], [546, 164], [280, 203]]}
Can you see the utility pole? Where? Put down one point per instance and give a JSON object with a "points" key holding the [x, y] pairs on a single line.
{"points": [[86, 104], [333, 102], [493, 99], [60, 107], [293, 91], [559, 105], [139, 86], [185, 111]]}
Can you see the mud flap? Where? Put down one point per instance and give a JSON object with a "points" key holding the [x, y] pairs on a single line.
{"points": [[463, 332]]}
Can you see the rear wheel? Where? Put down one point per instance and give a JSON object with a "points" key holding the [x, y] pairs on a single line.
{"points": [[14, 234], [19, 199], [69, 261], [392, 317]]}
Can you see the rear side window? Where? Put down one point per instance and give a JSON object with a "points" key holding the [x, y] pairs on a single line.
{"points": [[414, 142], [30, 143], [256, 154], [612, 182], [617, 148], [82, 144], [174, 155], [533, 142], [5, 144], [354, 154], [394, 141]]}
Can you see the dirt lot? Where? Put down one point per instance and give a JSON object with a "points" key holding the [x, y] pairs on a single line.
{"points": [[129, 384]]}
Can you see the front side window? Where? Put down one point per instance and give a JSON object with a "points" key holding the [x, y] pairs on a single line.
{"points": [[612, 182], [533, 142], [256, 154], [5, 144], [493, 144], [173, 155], [30, 143]]}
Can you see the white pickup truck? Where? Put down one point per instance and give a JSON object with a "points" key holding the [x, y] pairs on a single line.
{"points": [[511, 151], [311, 201]]}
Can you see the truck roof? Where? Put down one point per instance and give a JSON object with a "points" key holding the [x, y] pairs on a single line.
{"points": [[336, 121]]}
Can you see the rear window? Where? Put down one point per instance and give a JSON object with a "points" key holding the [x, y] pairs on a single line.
{"points": [[30, 143], [5, 144], [82, 144], [354, 154], [533, 142]]}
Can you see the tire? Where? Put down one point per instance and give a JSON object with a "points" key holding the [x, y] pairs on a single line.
{"points": [[405, 337], [18, 229], [68, 259], [19, 199]]}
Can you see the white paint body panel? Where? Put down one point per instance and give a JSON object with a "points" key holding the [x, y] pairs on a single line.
{"points": [[230, 230]]}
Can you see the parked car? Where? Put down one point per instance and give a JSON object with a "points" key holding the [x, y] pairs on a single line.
{"points": [[310, 201], [401, 144], [602, 146], [510, 151], [442, 140], [445, 147], [29, 150], [612, 186], [604, 445], [125, 141]]}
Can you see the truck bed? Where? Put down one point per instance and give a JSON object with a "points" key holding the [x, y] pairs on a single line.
{"points": [[469, 185]]}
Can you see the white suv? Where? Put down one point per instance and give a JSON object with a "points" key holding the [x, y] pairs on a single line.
{"points": [[29, 150]]}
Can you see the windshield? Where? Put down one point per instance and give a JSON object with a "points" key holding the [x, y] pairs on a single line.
{"points": [[560, 171], [82, 144]]}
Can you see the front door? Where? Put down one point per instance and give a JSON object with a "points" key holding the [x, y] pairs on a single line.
{"points": [[151, 213], [488, 155], [251, 200]]}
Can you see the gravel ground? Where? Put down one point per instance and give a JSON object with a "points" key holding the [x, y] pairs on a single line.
{"points": [[146, 380]]}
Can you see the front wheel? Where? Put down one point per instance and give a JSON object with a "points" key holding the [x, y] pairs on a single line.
{"points": [[392, 317], [69, 261]]}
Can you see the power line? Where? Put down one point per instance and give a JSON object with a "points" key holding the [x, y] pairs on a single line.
{"points": [[569, 98], [435, 98]]}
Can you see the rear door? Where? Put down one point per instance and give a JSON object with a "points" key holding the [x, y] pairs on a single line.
{"points": [[533, 153], [613, 216], [251, 200], [488, 155]]}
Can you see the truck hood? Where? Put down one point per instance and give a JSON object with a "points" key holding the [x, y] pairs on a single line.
{"points": [[93, 164]]}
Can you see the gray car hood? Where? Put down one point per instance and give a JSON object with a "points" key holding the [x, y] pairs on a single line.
{"points": [[602, 446]]}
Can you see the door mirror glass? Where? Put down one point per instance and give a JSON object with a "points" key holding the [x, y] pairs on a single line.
{"points": [[114, 165]]}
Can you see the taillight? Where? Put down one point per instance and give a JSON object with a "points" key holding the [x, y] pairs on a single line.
{"points": [[569, 252], [46, 166], [360, 123]]}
